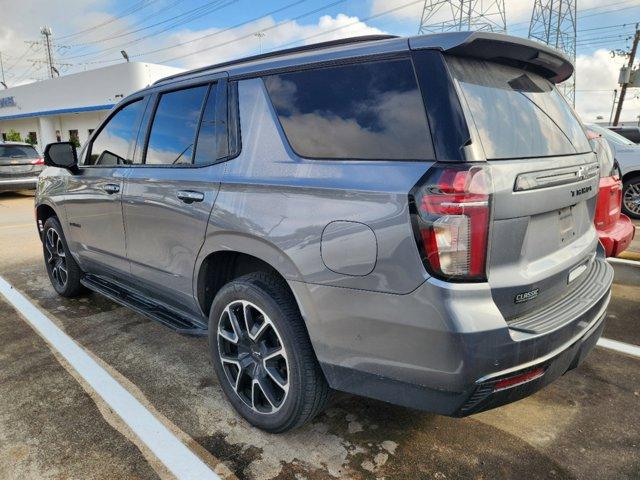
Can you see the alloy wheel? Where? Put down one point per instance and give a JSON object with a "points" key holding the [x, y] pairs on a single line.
{"points": [[56, 257], [631, 198], [253, 357]]}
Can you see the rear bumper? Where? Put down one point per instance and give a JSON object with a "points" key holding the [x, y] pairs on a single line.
{"points": [[486, 395], [616, 238], [19, 183], [443, 346]]}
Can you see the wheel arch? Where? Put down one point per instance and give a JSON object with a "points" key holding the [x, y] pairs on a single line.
{"points": [[631, 174], [44, 211], [226, 256]]}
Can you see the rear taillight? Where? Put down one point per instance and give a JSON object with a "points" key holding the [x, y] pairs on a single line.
{"points": [[451, 210], [37, 161]]}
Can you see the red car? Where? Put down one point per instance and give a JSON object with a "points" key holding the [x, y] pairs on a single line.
{"points": [[615, 229]]}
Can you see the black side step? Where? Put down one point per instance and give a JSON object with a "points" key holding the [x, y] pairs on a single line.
{"points": [[144, 306]]}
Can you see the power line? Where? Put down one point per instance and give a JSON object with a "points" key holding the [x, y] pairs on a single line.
{"points": [[136, 7], [219, 5], [209, 35], [632, 24], [190, 14]]}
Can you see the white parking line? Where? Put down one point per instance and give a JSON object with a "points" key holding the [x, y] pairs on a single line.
{"points": [[624, 261], [619, 346], [168, 448]]}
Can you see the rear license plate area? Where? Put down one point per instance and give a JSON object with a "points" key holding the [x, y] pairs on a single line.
{"points": [[566, 224]]}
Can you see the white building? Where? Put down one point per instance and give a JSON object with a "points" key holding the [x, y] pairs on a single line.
{"points": [[62, 108]]}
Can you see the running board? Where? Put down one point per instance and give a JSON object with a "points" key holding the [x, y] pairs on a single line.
{"points": [[142, 305]]}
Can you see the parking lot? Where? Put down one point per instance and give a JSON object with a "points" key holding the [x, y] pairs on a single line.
{"points": [[53, 425]]}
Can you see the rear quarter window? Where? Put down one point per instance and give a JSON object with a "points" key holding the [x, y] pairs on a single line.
{"points": [[517, 114], [370, 110], [17, 151]]}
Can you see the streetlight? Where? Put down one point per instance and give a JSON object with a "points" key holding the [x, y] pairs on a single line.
{"points": [[124, 55]]}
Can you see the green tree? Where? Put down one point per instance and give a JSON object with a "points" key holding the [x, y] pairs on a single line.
{"points": [[13, 136]]}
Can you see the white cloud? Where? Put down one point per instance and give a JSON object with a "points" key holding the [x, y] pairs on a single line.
{"points": [[225, 45], [597, 76]]}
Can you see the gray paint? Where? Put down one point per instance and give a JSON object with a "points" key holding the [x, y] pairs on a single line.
{"points": [[350, 248]]}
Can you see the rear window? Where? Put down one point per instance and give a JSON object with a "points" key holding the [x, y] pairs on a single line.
{"points": [[18, 151], [518, 114], [363, 111]]}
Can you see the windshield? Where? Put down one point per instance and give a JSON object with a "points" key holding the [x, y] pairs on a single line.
{"points": [[611, 136], [18, 151], [517, 114]]}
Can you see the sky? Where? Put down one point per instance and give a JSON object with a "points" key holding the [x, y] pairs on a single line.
{"points": [[89, 34]]}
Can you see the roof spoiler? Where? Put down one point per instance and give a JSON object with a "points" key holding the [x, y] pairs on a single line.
{"points": [[499, 48]]}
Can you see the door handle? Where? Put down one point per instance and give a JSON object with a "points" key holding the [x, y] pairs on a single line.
{"points": [[111, 188], [189, 196]]}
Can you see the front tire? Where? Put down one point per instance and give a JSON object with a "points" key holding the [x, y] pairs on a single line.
{"points": [[631, 197], [262, 354], [64, 273]]}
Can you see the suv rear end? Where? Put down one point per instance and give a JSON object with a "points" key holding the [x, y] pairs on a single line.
{"points": [[20, 165], [615, 229], [516, 283]]}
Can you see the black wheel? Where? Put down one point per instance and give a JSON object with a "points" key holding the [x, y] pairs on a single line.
{"points": [[262, 354], [631, 197], [64, 273]]}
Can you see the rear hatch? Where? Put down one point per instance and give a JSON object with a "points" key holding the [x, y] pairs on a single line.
{"points": [[542, 241], [19, 161]]}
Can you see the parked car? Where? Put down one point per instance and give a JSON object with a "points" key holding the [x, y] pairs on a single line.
{"points": [[627, 154], [615, 229], [20, 165], [631, 133], [405, 219]]}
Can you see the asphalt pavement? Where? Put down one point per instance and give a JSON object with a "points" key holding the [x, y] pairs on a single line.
{"points": [[53, 425]]}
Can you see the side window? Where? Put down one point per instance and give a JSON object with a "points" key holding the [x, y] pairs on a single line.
{"points": [[212, 136], [113, 145], [369, 110], [174, 126]]}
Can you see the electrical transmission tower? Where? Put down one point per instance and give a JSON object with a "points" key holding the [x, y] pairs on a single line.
{"points": [[554, 22], [47, 45], [457, 15]]}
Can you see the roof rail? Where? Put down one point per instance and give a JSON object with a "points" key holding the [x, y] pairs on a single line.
{"points": [[278, 53]]}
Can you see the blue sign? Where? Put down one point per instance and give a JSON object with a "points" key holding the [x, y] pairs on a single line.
{"points": [[6, 102]]}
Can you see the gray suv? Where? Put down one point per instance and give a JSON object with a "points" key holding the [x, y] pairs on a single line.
{"points": [[405, 219]]}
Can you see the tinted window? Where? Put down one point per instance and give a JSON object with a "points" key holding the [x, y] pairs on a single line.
{"points": [[632, 134], [173, 131], [611, 136], [18, 151], [113, 145], [368, 111], [212, 136], [518, 114]]}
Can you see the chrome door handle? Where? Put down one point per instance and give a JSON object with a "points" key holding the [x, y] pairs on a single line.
{"points": [[111, 188], [189, 196]]}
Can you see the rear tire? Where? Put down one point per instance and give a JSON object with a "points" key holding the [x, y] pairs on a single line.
{"points": [[631, 197], [262, 354], [64, 273]]}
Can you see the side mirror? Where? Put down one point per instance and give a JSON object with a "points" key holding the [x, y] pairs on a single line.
{"points": [[61, 154]]}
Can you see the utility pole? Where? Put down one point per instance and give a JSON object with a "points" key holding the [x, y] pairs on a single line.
{"points": [[623, 89], [260, 36], [47, 47], [46, 33], [4, 82], [613, 105]]}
